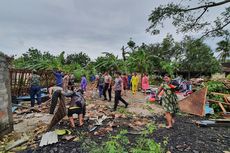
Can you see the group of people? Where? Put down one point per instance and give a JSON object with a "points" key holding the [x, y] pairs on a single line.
{"points": [[104, 84], [64, 87], [130, 82]]}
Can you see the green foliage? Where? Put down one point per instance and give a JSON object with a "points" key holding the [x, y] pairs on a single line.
{"points": [[145, 144], [120, 143], [189, 55], [191, 19], [109, 62], [79, 71], [215, 86], [168, 67], [228, 77], [116, 143], [35, 59], [81, 59], [199, 57], [223, 49]]}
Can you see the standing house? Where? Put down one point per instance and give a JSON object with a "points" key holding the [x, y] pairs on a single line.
{"points": [[6, 117]]}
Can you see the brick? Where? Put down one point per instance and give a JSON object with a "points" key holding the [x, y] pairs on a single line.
{"points": [[2, 114]]}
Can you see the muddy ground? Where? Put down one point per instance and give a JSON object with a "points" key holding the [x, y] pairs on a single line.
{"points": [[184, 137]]}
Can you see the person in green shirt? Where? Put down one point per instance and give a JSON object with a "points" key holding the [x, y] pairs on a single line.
{"points": [[169, 101], [35, 89]]}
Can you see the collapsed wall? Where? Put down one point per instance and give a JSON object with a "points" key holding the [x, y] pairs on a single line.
{"points": [[6, 117]]}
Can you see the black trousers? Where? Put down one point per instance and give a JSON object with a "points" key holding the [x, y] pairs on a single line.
{"points": [[109, 89], [118, 98], [54, 100]]}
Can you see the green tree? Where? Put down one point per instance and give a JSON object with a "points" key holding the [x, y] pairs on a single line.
{"points": [[189, 19], [81, 58], [198, 57], [223, 49], [109, 62], [139, 60]]}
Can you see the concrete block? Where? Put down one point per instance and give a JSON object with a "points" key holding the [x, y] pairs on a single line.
{"points": [[2, 85], [3, 91], [6, 97]]}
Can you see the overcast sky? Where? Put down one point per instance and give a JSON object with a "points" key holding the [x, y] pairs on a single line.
{"points": [[90, 26]]}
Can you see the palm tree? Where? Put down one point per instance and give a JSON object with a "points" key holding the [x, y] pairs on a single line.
{"points": [[109, 62], [223, 49]]}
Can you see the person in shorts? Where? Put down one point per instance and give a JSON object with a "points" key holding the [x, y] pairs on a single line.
{"points": [[77, 106]]}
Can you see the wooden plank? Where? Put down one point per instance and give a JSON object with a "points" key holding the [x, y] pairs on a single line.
{"points": [[220, 94], [19, 79], [222, 107], [215, 101], [227, 99], [59, 114], [195, 103]]}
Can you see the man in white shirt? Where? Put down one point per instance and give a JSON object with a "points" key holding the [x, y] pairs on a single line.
{"points": [[107, 86]]}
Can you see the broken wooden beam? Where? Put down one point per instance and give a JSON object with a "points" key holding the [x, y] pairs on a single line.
{"points": [[222, 107], [59, 114], [215, 101]]}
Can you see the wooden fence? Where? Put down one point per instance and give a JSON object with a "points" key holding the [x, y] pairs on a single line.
{"points": [[20, 84]]}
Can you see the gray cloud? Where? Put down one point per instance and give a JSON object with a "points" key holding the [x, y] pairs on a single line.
{"points": [[92, 26]]}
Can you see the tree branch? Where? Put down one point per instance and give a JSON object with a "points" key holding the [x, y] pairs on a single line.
{"points": [[205, 9], [217, 29], [212, 4]]}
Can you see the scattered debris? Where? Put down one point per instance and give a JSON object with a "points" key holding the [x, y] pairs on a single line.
{"points": [[49, 138], [69, 137], [62, 132], [100, 120], [59, 114], [213, 123], [19, 142]]}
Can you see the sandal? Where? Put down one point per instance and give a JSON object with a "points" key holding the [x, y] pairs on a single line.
{"points": [[168, 127]]}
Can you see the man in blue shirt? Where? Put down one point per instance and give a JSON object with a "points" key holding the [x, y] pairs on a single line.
{"points": [[58, 76]]}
